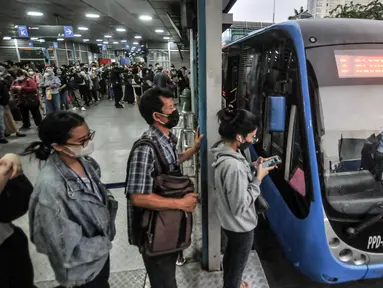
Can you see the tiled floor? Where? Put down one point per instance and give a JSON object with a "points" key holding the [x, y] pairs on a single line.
{"points": [[116, 130]]}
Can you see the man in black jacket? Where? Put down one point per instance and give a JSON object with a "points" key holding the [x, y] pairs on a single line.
{"points": [[115, 79], [4, 100]]}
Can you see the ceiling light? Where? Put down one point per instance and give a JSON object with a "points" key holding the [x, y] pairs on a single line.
{"points": [[121, 29], [138, 37], [123, 41], [34, 38], [41, 40], [135, 43], [83, 28], [34, 13], [7, 38], [115, 42], [146, 17], [86, 40], [99, 40], [142, 45], [108, 36], [34, 28], [59, 39], [90, 15], [159, 31], [105, 42], [99, 44], [166, 38], [77, 35], [16, 26]]}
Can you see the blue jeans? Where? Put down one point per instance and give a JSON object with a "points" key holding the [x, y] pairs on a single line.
{"points": [[64, 98], [53, 105]]}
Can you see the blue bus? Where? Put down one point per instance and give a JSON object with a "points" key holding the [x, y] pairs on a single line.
{"points": [[317, 86]]}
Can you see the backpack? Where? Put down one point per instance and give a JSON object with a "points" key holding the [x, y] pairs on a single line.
{"points": [[167, 231]]}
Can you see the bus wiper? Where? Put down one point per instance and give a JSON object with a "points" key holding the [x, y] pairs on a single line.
{"points": [[355, 231]]}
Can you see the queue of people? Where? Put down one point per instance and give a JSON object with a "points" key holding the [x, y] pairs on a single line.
{"points": [[72, 214]]}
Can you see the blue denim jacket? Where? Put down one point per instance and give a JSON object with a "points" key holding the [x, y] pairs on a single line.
{"points": [[70, 224]]}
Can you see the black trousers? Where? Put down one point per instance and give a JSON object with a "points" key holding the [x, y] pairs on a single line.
{"points": [[85, 94], [24, 110], [16, 270], [101, 280], [237, 252], [162, 270], [117, 89]]}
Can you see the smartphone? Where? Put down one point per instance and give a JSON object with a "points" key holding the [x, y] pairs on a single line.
{"points": [[272, 162]]}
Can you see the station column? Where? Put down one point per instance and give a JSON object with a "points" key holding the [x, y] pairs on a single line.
{"points": [[209, 94]]}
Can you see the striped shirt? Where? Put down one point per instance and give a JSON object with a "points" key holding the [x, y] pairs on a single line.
{"points": [[141, 169]]}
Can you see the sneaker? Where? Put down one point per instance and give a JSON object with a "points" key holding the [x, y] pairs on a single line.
{"points": [[18, 134], [83, 109], [3, 141], [119, 106], [74, 108]]}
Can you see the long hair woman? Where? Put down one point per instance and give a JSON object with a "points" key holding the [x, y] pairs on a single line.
{"points": [[71, 214], [237, 190]]}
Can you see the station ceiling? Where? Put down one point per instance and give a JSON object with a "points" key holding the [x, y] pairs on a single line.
{"points": [[113, 14]]}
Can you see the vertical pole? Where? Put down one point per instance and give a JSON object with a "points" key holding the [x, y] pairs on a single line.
{"points": [[192, 70], [274, 12], [209, 93], [17, 50], [74, 53], [170, 59]]}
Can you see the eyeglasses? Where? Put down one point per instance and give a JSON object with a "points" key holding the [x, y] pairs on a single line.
{"points": [[86, 140], [255, 139]]}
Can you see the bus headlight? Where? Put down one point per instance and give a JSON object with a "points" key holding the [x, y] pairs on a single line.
{"points": [[345, 255], [361, 261], [334, 242]]}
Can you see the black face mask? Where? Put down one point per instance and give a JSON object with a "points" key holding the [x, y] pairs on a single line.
{"points": [[244, 146], [173, 119]]}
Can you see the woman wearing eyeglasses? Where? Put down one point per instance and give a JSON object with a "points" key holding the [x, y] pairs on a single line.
{"points": [[71, 214], [237, 190]]}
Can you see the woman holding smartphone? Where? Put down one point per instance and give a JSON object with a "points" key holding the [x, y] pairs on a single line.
{"points": [[238, 189]]}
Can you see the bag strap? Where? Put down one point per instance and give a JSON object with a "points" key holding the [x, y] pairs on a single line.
{"points": [[160, 163]]}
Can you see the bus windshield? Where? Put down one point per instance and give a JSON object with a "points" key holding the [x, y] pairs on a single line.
{"points": [[348, 111]]}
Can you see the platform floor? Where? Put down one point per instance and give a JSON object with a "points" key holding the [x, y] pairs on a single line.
{"points": [[116, 130]]}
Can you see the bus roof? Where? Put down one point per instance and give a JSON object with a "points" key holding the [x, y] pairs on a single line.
{"points": [[329, 31], [340, 31]]}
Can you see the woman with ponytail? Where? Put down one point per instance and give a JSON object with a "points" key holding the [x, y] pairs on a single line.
{"points": [[71, 214], [237, 189]]}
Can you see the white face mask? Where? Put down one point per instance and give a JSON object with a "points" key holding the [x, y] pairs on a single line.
{"points": [[20, 79], [31, 73], [79, 151]]}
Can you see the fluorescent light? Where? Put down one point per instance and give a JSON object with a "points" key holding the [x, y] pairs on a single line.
{"points": [[16, 26], [135, 43], [138, 37], [86, 40], [83, 28], [60, 39], [34, 38], [108, 36], [7, 38], [99, 40], [41, 40], [105, 42], [166, 38], [159, 31], [34, 28], [121, 29], [115, 42], [34, 13], [146, 17], [91, 15], [77, 35], [99, 44], [123, 41]]}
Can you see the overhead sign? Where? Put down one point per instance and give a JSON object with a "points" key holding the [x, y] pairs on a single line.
{"points": [[104, 47], [68, 31], [22, 31], [55, 45], [30, 43]]}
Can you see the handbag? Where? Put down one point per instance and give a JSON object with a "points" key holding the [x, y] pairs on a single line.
{"points": [[32, 101], [14, 199], [48, 93], [167, 231]]}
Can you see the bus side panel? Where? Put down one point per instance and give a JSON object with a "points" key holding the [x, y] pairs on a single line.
{"points": [[304, 241]]}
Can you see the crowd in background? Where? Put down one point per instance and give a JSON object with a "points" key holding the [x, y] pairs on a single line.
{"points": [[29, 89]]}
